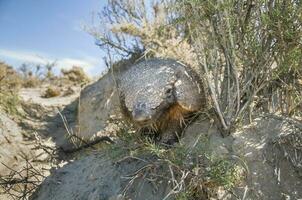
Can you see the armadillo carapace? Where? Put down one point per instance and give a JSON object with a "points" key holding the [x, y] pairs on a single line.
{"points": [[158, 94]]}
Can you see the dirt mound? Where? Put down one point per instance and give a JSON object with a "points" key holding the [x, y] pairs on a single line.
{"points": [[16, 161], [97, 177], [271, 148], [266, 148]]}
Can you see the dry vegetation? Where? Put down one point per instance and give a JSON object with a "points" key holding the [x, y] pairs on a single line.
{"points": [[20, 184], [76, 74], [243, 50], [32, 76], [51, 92], [192, 172], [10, 82], [22, 180]]}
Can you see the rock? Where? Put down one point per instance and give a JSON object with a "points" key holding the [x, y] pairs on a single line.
{"points": [[204, 128], [97, 103]]}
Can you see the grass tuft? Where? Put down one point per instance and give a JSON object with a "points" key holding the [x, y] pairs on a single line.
{"points": [[191, 172], [51, 92]]}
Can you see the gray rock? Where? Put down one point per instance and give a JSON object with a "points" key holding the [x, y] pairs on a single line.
{"points": [[97, 103]]}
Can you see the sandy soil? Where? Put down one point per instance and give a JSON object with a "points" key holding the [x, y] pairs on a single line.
{"points": [[38, 116], [34, 96]]}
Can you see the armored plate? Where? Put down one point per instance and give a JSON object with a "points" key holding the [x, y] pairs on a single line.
{"points": [[145, 85]]}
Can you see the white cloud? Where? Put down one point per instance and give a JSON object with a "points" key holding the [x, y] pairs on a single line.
{"points": [[67, 63], [86, 62], [23, 56]]}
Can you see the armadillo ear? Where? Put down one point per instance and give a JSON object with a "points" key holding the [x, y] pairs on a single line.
{"points": [[188, 92]]}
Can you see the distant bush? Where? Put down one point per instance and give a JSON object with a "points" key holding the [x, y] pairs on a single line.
{"points": [[10, 83], [75, 74], [31, 82], [51, 92], [9, 78], [32, 75]]}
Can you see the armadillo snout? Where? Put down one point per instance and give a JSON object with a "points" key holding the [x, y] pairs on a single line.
{"points": [[140, 113]]}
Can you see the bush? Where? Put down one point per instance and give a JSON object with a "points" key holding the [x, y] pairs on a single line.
{"points": [[51, 92], [9, 78], [76, 74], [10, 83], [31, 82], [246, 49]]}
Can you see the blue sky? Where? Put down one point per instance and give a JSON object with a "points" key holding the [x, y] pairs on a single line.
{"points": [[39, 31]]}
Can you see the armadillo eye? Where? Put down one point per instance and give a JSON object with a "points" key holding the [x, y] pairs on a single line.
{"points": [[169, 91]]}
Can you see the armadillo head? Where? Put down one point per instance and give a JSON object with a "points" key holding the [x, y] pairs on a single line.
{"points": [[149, 105]]}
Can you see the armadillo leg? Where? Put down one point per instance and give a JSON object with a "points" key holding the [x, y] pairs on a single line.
{"points": [[172, 134]]}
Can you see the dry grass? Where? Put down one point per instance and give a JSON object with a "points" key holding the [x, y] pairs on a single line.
{"points": [[31, 82], [19, 185], [22, 180], [9, 78], [150, 33]]}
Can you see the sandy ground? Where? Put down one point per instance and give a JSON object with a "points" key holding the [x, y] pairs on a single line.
{"points": [[34, 95], [38, 116]]}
